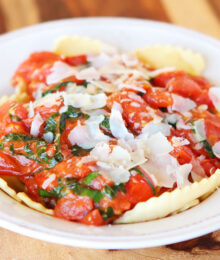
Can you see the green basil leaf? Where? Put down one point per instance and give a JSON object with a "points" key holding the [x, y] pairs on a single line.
{"points": [[90, 177], [56, 87], [55, 192], [96, 195], [105, 123], [72, 113], [20, 137], [51, 124], [12, 149], [14, 118], [207, 146], [111, 191], [108, 214]]}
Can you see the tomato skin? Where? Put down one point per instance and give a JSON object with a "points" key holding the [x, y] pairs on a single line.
{"points": [[4, 108], [43, 176], [76, 60], [185, 87], [93, 218], [212, 127], [201, 81], [210, 166], [73, 207], [163, 78], [73, 168], [183, 154], [32, 187], [157, 98], [119, 204], [16, 165], [36, 67], [138, 189]]}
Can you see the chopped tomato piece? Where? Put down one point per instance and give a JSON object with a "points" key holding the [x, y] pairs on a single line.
{"points": [[138, 189], [119, 204], [183, 154], [76, 60], [135, 111], [4, 108], [162, 79], [210, 166], [73, 207], [185, 87], [212, 130], [17, 165], [46, 180], [36, 67], [93, 218], [32, 187], [73, 167], [157, 98]]}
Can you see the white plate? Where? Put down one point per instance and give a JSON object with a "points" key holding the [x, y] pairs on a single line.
{"points": [[127, 34]]}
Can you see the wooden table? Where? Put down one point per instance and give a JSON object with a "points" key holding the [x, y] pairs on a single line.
{"points": [[200, 15]]}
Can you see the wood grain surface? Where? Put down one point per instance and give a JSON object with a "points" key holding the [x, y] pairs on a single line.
{"points": [[200, 15]]}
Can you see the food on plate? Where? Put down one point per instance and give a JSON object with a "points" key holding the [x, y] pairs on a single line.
{"points": [[98, 136]]}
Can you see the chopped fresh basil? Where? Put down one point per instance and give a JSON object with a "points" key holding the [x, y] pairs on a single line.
{"points": [[56, 87], [19, 137], [207, 146], [14, 118], [55, 192], [84, 84], [108, 214], [2, 145], [146, 178], [90, 177], [51, 124], [12, 149], [105, 123], [58, 156], [79, 151], [140, 94], [72, 113], [30, 154], [111, 191], [80, 189]]}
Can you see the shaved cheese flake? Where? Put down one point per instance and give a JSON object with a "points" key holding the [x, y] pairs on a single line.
{"points": [[216, 149], [179, 141], [157, 72], [48, 181], [181, 104], [157, 145], [60, 71], [182, 174], [36, 124], [99, 60], [117, 125], [88, 74], [88, 135], [153, 128], [85, 101], [129, 60], [31, 109], [214, 94]]}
